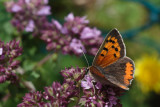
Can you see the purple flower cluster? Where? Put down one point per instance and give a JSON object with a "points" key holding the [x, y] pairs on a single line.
{"points": [[77, 88], [96, 94], [32, 99], [8, 52], [57, 95], [73, 37], [29, 15], [60, 95]]}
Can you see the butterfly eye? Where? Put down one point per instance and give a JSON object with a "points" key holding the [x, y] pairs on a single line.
{"points": [[86, 69], [94, 82]]}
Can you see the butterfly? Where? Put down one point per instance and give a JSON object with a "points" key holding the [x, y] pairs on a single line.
{"points": [[111, 65]]}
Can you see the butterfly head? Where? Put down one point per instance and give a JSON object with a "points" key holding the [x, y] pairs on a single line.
{"points": [[87, 70]]}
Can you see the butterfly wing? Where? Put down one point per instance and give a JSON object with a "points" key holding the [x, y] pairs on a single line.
{"points": [[120, 73], [111, 64], [111, 50]]}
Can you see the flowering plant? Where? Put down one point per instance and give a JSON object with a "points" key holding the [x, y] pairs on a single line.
{"points": [[73, 37], [8, 52], [31, 16], [77, 88]]}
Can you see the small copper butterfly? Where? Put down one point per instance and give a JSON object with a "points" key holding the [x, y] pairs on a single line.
{"points": [[111, 65]]}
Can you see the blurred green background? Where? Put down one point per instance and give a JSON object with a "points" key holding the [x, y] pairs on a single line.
{"points": [[137, 20]]}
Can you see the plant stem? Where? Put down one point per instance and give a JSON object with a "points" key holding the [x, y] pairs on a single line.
{"points": [[79, 96], [45, 59], [6, 97], [28, 84]]}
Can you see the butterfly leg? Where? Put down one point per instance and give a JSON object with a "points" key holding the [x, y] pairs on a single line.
{"points": [[94, 88]]}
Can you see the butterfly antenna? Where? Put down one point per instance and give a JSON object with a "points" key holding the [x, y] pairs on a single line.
{"points": [[85, 57]]}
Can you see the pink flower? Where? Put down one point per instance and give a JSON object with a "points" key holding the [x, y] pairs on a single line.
{"points": [[57, 24], [70, 17], [45, 1], [27, 1], [87, 84], [3, 78], [45, 10], [84, 20], [1, 51], [76, 46], [16, 8], [30, 26], [89, 33]]}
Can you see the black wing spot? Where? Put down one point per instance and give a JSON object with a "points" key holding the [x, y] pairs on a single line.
{"points": [[116, 49], [106, 49], [110, 40], [113, 41], [102, 54], [107, 41], [113, 46], [115, 55]]}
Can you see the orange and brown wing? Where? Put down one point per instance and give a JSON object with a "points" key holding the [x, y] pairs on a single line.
{"points": [[120, 73], [111, 50]]}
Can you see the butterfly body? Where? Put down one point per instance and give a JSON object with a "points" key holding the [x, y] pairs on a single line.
{"points": [[98, 76], [111, 65]]}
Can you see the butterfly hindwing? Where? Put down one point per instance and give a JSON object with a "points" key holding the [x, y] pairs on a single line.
{"points": [[111, 50], [120, 73]]}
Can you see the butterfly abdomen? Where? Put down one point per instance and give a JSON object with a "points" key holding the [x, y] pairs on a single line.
{"points": [[96, 71]]}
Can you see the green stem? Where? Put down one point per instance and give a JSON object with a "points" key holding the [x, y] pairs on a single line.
{"points": [[45, 59], [78, 96], [27, 84]]}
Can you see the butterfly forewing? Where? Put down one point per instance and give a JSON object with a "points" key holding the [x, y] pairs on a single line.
{"points": [[111, 50]]}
